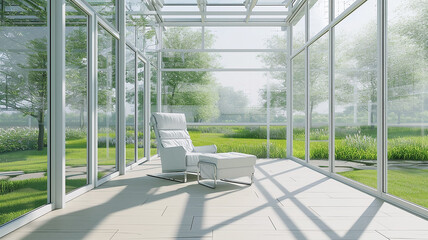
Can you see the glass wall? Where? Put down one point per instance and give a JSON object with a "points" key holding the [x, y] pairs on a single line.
{"points": [[140, 108], [298, 30], [76, 100], [341, 5], [356, 95], [299, 89], [106, 8], [318, 102], [318, 16], [233, 109], [106, 103], [23, 108], [153, 106], [130, 113], [407, 104]]}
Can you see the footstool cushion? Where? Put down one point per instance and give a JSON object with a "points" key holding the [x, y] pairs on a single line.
{"points": [[228, 165]]}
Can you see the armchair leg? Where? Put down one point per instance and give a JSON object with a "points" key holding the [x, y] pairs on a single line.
{"points": [[162, 176]]}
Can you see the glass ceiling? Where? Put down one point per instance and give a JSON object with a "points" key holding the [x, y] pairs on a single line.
{"points": [[219, 12]]}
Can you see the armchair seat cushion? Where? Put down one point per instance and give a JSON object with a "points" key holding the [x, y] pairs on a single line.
{"points": [[192, 158]]}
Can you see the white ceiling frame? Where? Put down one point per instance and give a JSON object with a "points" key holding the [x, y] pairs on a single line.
{"points": [[249, 5], [223, 24], [202, 5], [221, 13]]}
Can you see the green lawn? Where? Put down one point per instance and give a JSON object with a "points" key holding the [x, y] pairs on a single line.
{"points": [[408, 184], [26, 195]]}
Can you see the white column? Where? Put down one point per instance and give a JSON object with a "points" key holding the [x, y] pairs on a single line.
{"points": [[331, 147], [121, 129], [159, 63], [147, 110], [289, 91], [57, 103], [92, 112], [382, 130]]}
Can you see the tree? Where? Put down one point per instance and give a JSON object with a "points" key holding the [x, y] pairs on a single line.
{"points": [[186, 88], [77, 71], [318, 78], [232, 103], [27, 92]]}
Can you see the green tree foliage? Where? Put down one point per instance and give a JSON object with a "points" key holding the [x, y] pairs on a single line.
{"points": [[195, 89], [26, 90]]}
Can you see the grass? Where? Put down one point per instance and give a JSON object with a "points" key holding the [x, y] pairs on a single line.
{"points": [[20, 197], [408, 184]]}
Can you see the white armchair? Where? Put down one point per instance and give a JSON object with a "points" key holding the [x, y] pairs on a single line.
{"points": [[175, 148]]}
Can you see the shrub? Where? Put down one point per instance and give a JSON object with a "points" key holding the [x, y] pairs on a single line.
{"points": [[255, 149], [102, 141], [258, 133], [319, 134], [212, 129], [7, 186], [409, 148], [319, 150], [18, 139], [356, 147], [75, 133]]}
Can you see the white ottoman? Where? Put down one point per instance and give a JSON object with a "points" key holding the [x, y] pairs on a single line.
{"points": [[226, 166]]}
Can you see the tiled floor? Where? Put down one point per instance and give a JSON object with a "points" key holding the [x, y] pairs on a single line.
{"points": [[287, 201]]}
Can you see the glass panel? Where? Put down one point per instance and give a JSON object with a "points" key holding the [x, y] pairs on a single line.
{"points": [[299, 115], [76, 99], [407, 101], [130, 106], [140, 89], [241, 37], [106, 8], [153, 106], [356, 95], [216, 97], [106, 108], [318, 16], [23, 108], [135, 21], [342, 5], [183, 38], [318, 102], [244, 139], [298, 25]]}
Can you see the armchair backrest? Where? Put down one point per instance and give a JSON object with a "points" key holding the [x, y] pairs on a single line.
{"points": [[171, 131]]}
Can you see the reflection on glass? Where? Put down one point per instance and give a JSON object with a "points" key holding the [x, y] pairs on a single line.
{"points": [[298, 26], [342, 5], [23, 108], [318, 102], [299, 115], [184, 38], [356, 95], [318, 16], [130, 106], [245, 139], [106, 8], [407, 101], [106, 107], [153, 106], [241, 37], [76, 100], [140, 111]]}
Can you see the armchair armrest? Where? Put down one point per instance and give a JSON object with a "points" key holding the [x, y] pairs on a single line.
{"points": [[173, 159], [206, 149]]}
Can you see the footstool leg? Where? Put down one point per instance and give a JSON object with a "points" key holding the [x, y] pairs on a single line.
{"points": [[215, 175], [239, 182]]}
